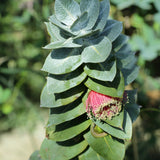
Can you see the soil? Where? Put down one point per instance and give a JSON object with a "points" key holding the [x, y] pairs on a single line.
{"points": [[20, 143]]}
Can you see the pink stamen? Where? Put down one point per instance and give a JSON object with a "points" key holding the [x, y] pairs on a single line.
{"points": [[102, 106]]}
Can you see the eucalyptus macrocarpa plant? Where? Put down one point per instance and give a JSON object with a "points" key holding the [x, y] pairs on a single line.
{"points": [[90, 63]]}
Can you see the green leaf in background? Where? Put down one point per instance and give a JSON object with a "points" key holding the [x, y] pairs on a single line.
{"points": [[54, 32], [61, 83], [112, 29], [103, 15], [157, 18], [90, 154], [144, 4], [113, 89], [157, 4], [51, 150], [62, 44], [67, 11], [97, 53], [105, 71], [51, 100], [6, 108], [4, 94], [92, 7], [108, 147], [125, 133], [62, 61], [69, 132], [122, 4]]}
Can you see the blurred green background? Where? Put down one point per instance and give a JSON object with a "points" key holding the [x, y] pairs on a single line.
{"points": [[22, 36]]}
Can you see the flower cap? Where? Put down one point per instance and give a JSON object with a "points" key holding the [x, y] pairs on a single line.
{"points": [[101, 106]]}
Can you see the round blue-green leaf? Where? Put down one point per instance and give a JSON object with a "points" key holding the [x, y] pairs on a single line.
{"points": [[112, 29], [130, 74], [113, 89], [61, 83], [51, 100], [133, 110], [67, 11], [62, 61], [126, 62], [35, 156], [117, 121], [103, 15], [105, 71], [119, 42], [66, 116], [62, 44], [97, 52], [92, 7], [125, 133], [51, 150], [80, 23], [90, 154], [69, 132], [57, 23], [54, 32], [108, 147]]}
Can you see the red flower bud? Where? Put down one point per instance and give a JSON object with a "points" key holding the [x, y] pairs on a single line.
{"points": [[101, 106]]}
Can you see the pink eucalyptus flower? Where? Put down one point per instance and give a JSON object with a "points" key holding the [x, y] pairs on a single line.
{"points": [[102, 106]]}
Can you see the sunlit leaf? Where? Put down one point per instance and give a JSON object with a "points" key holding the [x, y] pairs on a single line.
{"points": [[98, 52], [125, 133], [108, 147], [68, 112], [61, 83], [90, 154], [112, 29], [54, 32], [103, 15], [35, 156], [113, 89], [70, 132], [51, 150], [62, 61], [105, 71], [92, 7], [67, 11], [117, 121], [51, 100], [62, 44], [80, 23]]}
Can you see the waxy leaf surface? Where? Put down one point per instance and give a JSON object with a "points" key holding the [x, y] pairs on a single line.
{"points": [[113, 89], [51, 150], [62, 61], [61, 83], [67, 11], [97, 52], [108, 147]]}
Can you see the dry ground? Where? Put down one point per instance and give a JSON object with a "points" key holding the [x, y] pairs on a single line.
{"points": [[20, 143]]}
